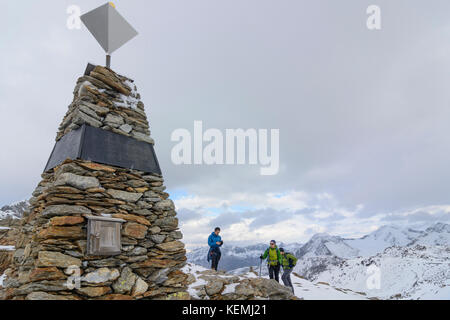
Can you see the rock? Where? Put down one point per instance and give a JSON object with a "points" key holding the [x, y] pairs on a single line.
{"points": [[97, 167], [125, 282], [137, 183], [114, 121], [125, 196], [99, 110], [72, 232], [56, 259], [138, 251], [108, 262], [213, 287], [156, 263], [157, 238], [89, 112], [49, 273], [94, 291], [117, 297], [18, 255], [159, 276], [164, 205], [134, 230], [64, 210], [101, 275], [154, 230], [176, 278], [66, 220], [176, 235], [139, 288], [271, 289], [173, 246], [143, 212], [132, 217], [169, 223], [110, 79], [152, 178], [39, 295], [178, 296], [126, 128], [79, 182], [142, 137], [46, 286], [80, 118], [244, 289]]}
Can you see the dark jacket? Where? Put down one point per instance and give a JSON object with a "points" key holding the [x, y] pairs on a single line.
{"points": [[214, 248]]}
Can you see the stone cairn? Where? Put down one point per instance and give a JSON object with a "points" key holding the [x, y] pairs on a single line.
{"points": [[53, 235]]}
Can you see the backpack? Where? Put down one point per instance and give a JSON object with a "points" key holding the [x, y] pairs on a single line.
{"points": [[290, 260]]}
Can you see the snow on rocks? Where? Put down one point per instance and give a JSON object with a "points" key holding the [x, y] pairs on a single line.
{"points": [[107, 100], [208, 284]]}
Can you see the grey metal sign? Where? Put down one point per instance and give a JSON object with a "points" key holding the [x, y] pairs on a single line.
{"points": [[106, 147], [109, 28]]}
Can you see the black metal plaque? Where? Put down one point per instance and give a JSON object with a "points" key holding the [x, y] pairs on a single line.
{"points": [[105, 147]]}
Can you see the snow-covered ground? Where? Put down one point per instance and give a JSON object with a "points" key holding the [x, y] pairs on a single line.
{"points": [[2, 278], [412, 272], [7, 248]]}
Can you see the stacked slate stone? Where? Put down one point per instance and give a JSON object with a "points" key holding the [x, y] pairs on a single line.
{"points": [[52, 245]]}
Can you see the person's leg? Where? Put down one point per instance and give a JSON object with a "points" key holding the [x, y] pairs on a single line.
{"points": [[289, 281], [218, 259], [214, 261], [277, 273], [271, 272], [283, 278]]}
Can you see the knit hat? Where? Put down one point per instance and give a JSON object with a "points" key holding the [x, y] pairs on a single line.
{"points": [[281, 249], [273, 241]]}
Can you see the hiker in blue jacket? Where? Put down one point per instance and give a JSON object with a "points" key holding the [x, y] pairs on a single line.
{"points": [[214, 242]]}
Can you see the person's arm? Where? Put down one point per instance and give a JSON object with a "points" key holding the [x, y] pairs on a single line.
{"points": [[211, 242], [264, 255]]}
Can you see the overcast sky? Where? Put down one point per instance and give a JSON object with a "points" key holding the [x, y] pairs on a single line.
{"points": [[363, 115]]}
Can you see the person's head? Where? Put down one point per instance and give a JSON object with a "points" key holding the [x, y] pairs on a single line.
{"points": [[282, 250], [273, 243], [217, 231]]}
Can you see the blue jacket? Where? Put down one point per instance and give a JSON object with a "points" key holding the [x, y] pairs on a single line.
{"points": [[212, 239]]}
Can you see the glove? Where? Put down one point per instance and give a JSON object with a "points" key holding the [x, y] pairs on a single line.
{"points": [[261, 257]]}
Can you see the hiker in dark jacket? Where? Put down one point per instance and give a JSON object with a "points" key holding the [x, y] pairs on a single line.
{"points": [[273, 260], [214, 242], [288, 261]]}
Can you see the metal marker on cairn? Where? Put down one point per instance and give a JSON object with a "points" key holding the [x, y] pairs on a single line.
{"points": [[109, 28]]}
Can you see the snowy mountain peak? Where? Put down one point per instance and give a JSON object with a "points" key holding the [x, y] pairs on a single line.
{"points": [[14, 211], [439, 227], [323, 244]]}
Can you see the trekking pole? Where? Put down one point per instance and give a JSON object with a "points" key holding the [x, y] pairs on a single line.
{"points": [[260, 265]]}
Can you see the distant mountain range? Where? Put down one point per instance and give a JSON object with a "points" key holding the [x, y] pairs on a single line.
{"points": [[14, 211], [413, 264], [235, 257], [324, 248]]}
